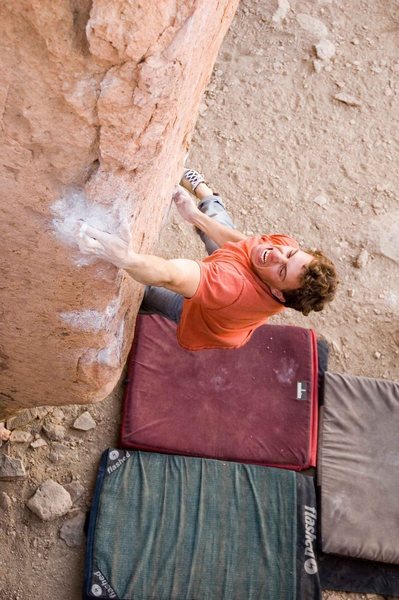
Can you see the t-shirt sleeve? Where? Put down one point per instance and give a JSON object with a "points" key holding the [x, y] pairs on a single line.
{"points": [[220, 285]]}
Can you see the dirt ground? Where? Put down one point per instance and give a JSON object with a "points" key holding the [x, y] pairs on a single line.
{"points": [[297, 140]]}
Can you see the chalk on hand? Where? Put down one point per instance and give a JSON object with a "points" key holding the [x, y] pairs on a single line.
{"points": [[86, 241]]}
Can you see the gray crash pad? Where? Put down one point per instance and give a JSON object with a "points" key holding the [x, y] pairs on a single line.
{"points": [[358, 468]]}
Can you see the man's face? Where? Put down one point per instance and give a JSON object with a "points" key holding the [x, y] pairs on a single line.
{"points": [[279, 266]]}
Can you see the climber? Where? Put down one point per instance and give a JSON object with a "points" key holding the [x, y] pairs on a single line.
{"points": [[220, 300]]}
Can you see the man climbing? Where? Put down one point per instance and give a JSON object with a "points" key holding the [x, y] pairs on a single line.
{"points": [[220, 300]]}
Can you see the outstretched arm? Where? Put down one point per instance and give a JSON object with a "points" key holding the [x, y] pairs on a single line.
{"points": [[178, 275], [187, 208]]}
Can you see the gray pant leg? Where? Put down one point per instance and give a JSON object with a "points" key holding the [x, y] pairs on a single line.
{"points": [[162, 302], [213, 207]]}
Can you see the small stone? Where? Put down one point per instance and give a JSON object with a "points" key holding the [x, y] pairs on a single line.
{"points": [[58, 452], [347, 99], [318, 65], [20, 437], [351, 293], [202, 108], [84, 422], [5, 502], [312, 25], [281, 12], [38, 443], [11, 468], [42, 411], [320, 200], [50, 501], [58, 414], [22, 419], [54, 457], [72, 531], [324, 49], [54, 431], [75, 490], [362, 259], [355, 42], [377, 355]]}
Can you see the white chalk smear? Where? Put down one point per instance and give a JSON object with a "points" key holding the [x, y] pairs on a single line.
{"points": [[73, 209], [91, 320], [287, 371], [111, 355]]}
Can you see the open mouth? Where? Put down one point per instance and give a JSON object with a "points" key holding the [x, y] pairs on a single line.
{"points": [[265, 255]]}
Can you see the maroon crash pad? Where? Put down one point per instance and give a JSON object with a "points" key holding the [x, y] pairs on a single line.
{"points": [[255, 404]]}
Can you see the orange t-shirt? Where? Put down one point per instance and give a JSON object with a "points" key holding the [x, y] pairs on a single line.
{"points": [[231, 300]]}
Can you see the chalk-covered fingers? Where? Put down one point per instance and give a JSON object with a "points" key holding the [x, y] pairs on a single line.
{"points": [[185, 204], [104, 246]]}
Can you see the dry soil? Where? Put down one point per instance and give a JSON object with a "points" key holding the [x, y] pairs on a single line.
{"points": [[298, 131]]}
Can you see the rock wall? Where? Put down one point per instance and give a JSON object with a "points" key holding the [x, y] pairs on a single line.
{"points": [[98, 101]]}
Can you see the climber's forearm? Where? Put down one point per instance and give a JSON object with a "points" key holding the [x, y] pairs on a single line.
{"points": [[179, 275], [219, 233]]}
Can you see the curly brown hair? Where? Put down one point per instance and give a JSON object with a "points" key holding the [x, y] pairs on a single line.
{"points": [[319, 282]]}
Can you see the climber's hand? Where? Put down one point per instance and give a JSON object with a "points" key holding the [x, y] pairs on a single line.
{"points": [[185, 204], [103, 245]]}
